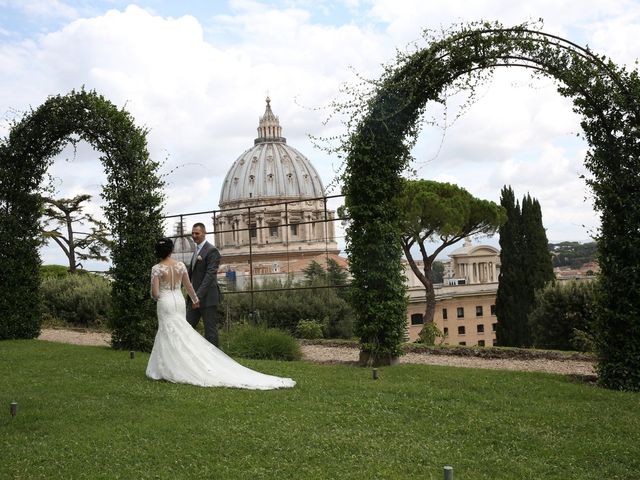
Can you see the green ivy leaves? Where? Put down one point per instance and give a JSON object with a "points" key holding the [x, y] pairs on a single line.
{"points": [[133, 209], [384, 118]]}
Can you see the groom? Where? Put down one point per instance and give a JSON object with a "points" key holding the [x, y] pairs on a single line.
{"points": [[203, 272]]}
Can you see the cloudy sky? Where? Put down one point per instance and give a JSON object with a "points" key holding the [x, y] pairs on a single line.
{"points": [[196, 75]]}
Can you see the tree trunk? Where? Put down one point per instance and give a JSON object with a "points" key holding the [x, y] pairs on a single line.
{"points": [[430, 296], [72, 249], [425, 279]]}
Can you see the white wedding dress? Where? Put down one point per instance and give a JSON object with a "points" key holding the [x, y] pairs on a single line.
{"points": [[181, 355]]}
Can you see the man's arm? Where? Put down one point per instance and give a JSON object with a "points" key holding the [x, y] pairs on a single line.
{"points": [[212, 260]]}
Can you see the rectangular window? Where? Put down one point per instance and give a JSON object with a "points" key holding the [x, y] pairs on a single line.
{"points": [[481, 343], [253, 231], [460, 312], [273, 230], [462, 343], [493, 310], [461, 330], [494, 327], [480, 328], [417, 319], [479, 311], [294, 229], [444, 313], [445, 330]]}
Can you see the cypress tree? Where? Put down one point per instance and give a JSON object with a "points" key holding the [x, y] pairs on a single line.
{"points": [[509, 279], [539, 259], [537, 263], [525, 266]]}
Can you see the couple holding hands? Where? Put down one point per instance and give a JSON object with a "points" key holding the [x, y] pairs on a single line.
{"points": [[180, 354]]}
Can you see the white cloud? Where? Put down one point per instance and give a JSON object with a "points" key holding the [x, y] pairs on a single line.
{"points": [[198, 83]]}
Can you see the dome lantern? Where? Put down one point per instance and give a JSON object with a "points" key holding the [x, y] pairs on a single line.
{"points": [[269, 129]]}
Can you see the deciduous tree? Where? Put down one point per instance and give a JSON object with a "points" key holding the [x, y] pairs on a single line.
{"points": [[441, 214], [67, 214]]}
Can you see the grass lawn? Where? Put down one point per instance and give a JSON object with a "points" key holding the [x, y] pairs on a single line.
{"points": [[90, 412]]}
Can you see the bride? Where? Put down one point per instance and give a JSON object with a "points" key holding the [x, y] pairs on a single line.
{"points": [[180, 354]]}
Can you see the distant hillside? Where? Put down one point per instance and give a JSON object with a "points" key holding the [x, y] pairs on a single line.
{"points": [[573, 254]]}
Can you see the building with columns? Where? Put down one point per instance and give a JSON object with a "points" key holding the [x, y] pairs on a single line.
{"points": [[465, 301], [273, 219], [473, 264]]}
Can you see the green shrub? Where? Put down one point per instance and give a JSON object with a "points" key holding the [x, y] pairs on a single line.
{"points": [[309, 329], [54, 271], [583, 341], [562, 318], [258, 342], [284, 309], [79, 300], [429, 333]]}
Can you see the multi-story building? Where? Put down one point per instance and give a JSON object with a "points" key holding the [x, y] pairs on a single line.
{"points": [[465, 301]]}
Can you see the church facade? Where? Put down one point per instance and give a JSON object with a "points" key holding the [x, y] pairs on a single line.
{"points": [[273, 219]]}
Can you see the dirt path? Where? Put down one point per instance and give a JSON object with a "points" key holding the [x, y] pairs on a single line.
{"points": [[326, 354], [76, 337]]}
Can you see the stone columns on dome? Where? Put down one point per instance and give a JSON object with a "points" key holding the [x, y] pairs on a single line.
{"points": [[238, 230], [477, 272], [260, 233], [323, 226], [307, 226], [220, 232], [284, 228], [331, 226]]}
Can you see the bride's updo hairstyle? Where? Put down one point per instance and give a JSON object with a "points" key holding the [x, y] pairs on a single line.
{"points": [[163, 248]]}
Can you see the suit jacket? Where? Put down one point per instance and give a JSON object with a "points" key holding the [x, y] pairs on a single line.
{"points": [[204, 275]]}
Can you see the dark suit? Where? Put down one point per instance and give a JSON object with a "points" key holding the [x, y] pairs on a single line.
{"points": [[203, 275]]}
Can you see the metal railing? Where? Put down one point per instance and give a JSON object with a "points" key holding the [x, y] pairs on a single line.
{"points": [[246, 250]]}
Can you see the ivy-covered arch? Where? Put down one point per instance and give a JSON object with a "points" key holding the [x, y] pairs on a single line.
{"points": [[133, 209], [386, 121]]}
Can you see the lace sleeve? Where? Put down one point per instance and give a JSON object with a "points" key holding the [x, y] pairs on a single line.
{"points": [[182, 269], [155, 282]]}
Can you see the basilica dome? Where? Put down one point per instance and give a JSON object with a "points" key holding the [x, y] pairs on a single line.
{"points": [[270, 170], [272, 208]]}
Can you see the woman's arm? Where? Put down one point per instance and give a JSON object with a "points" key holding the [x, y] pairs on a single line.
{"points": [[187, 284], [155, 286]]}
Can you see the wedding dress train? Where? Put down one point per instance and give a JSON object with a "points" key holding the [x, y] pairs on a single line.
{"points": [[181, 355]]}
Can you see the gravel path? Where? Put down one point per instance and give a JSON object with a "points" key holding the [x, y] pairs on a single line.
{"points": [[326, 354], [75, 337], [320, 353]]}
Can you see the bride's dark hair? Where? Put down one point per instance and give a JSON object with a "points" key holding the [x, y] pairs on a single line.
{"points": [[164, 247]]}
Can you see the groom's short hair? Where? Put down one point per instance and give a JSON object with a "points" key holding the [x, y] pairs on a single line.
{"points": [[200, 226]]}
